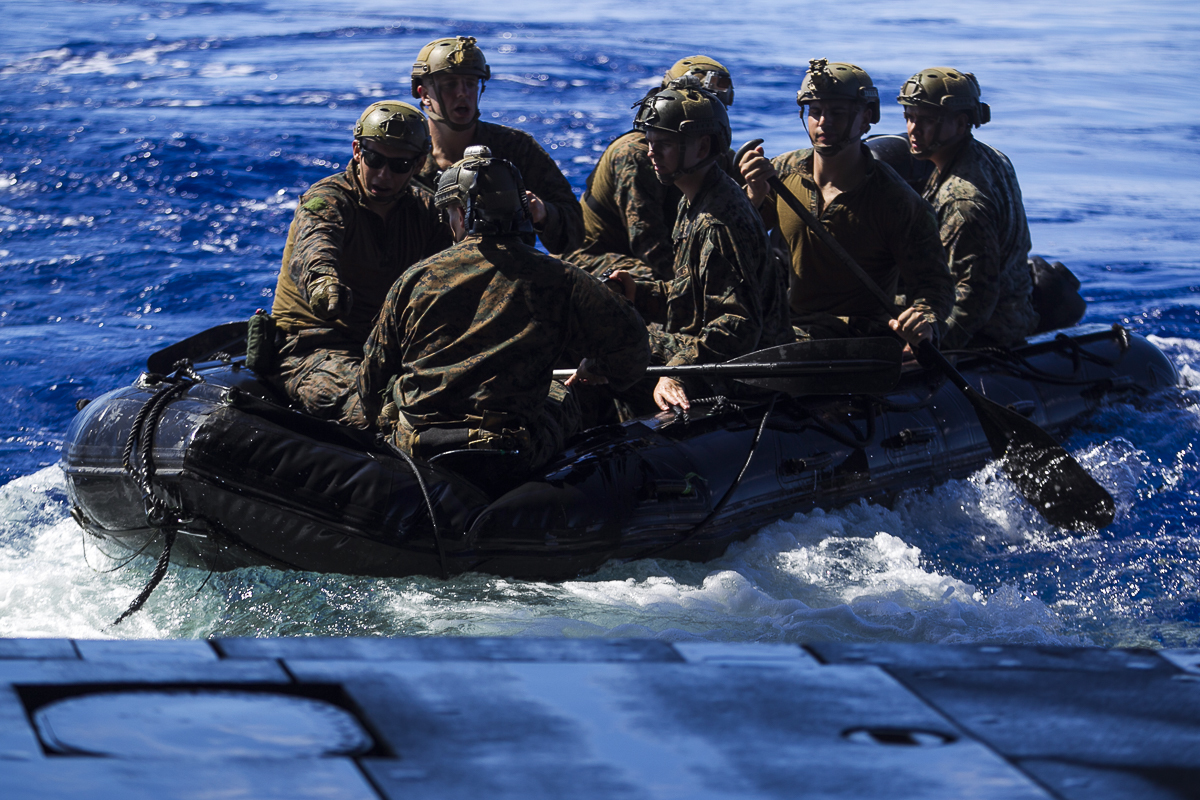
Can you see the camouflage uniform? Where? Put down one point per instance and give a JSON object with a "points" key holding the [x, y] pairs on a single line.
{"points": [[884, 225], [335, 234], [728, 295], [628, 214], [983, 227], [562, 230], [471, 337]]}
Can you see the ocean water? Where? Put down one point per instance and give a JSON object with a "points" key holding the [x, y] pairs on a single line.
{"points": [[151, 155]]}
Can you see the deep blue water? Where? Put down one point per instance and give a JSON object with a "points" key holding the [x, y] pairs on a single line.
{"points": [[151, 154]]}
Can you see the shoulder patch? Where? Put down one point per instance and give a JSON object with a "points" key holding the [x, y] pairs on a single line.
{"points": [[316, 204]]}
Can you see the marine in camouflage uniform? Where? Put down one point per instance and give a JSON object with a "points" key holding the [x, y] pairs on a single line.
{"points": [[727, 296], [459, 58], [340, 259], [885, 226], [463, 352], [628, 215], [975, 193]]}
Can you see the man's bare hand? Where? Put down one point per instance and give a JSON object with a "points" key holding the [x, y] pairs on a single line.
{"points": [[537, 209], [913, 327], [757, 171], [669, 392], [627, 281], [584, 376]]}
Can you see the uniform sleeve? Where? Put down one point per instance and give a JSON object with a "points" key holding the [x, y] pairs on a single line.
{"points": [[382, 352], [972, 245], [562, 230], [608, 331], [319, 231], [641, 196], [732, 306], [922, 263], [438, 235], [650, 299]]}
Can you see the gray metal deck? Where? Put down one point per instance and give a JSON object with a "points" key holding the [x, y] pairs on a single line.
{"points": [[592, 718]]}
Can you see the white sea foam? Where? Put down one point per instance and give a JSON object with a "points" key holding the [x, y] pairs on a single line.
{"points": [[823, 575]]}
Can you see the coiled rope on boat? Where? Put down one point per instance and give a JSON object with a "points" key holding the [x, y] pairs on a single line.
{"points": [[160, 515]]}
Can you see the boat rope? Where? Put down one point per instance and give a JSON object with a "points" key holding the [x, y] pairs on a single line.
{"points": [[1017, 365], [204, 582], [122, 565], [160, 571], [762, 425], [437, 533], [159, 515]]}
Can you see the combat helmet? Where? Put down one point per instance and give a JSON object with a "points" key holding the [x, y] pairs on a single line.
{"points": [[690, 112], [490, 192], [838, 81], [946, 89], [453, 56], [394, 123], [708, 73]]}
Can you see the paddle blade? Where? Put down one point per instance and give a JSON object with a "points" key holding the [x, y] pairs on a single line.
{"points": [[827, 366], [1047, 476]]}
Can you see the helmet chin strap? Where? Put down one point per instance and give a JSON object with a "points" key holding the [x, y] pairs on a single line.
{"points": [[436, 117], [830, 150], [937, 144], [669, 180], [928, 150]]}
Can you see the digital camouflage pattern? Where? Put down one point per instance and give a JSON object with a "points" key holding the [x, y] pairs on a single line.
{"points": [[628, 214], [334, 235], [472, 335], [318, 369], [727, 297], [983, 228], [884, 225], [562, 230]]}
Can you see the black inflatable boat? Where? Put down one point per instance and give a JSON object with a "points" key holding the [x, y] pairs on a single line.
{"points": [[200, 456]]}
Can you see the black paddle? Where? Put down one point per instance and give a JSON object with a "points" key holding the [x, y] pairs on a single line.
{"points": [[835, 366], [1051, 480]]}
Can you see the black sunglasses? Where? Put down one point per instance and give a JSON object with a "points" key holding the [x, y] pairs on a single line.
{"points": [[376, 160]]}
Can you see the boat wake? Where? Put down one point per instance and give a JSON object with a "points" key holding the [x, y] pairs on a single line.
{"points": [[851, 574], [970, 562]]}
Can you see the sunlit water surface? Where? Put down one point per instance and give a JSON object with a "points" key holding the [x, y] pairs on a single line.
{"points": [[151, 154]]}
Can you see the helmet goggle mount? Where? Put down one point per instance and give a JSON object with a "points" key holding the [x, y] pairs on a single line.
{"points": [[690, 112], [458, 56], [709, 74], [490, 192], [838, 81], [716, 83]]}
